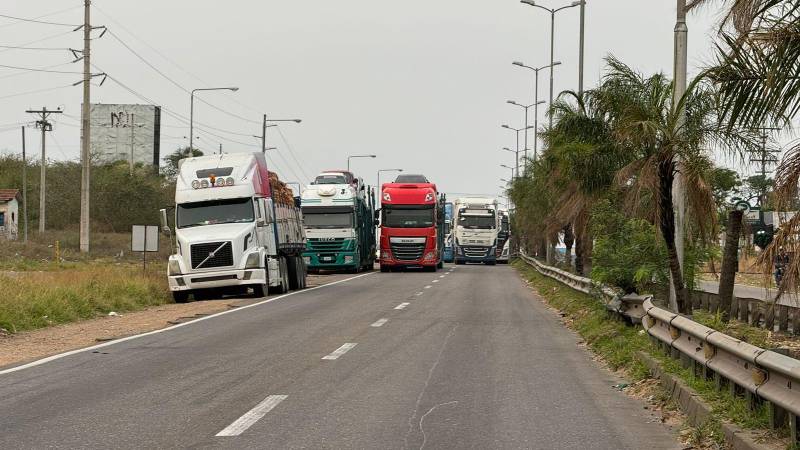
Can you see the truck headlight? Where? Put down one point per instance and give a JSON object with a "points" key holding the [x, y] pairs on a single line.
{"points": [[386, 254], [429, 256], [348, 258], [173, 267], [253, 261]]}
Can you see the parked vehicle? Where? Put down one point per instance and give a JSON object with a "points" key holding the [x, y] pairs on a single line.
{"points": [[503, 247], [449, 251], [338, 214], [236, 227], [476, 229], [412, 225]]}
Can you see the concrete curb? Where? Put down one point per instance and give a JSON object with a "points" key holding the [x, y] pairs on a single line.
{"points": [[698, 410]]}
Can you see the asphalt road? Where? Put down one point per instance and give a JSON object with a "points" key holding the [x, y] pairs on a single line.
{"points": [[758, 293], [461, 359]]}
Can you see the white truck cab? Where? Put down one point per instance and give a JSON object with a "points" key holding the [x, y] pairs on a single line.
{"points": [[229, 233], [475, 230]]}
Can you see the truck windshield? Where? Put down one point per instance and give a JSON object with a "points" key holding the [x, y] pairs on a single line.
{"points": [[330, 179], [477, 222], [408, 216], [238, 210], [313, 219]]}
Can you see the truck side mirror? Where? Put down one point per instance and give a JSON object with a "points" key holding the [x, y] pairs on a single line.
{"points": [[164, 224], [377, 214]]}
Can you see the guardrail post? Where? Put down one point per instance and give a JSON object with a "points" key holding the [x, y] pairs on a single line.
{"points": [[793, 428], [744, 309], [734, 307], [755, 317], [777, 416], [769, 316]]}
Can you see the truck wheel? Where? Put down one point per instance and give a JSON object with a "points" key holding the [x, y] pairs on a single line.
{"points": [[384, 268], [459, 263], [429, 268], [260, 290], [440, 265], [180, 296], [293, 273]]}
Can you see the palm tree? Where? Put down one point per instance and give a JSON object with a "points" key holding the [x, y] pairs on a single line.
{"points": [[646, 123]]}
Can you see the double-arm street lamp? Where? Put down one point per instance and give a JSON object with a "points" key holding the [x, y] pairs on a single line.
{"points": [[552, 12], [191, 109], [516, 130], [526, 107], [536, 101], [358, 156], [273, 123], [512, 171]]}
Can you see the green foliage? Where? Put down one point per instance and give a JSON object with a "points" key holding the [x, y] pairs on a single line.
{"points": [[170, 167], [119, 199], [627, 252]]}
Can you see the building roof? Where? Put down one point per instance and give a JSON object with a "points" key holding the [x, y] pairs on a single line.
{"points": [[6, 195]]}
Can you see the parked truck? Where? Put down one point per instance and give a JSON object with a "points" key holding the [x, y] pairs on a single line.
{"points": [[338, 215], [449, 251], [237, 227], [475, 230], [503, 247], [412, 224]]}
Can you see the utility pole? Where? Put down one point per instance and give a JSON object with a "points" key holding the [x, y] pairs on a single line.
{"points": [[681, 33], [24, 190], [133, 125], [264, 135], [220, 148], [580, 51], [86, 128], [764, 157], [44, 125]]}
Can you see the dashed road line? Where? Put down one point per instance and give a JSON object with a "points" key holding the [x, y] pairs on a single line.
{"points": [[435, 281], [250, 417], [340, 351], [419, 293], [428, 286], [402, 306], [442, 276], [379, 323]]}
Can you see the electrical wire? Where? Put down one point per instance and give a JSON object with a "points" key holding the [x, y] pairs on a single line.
{"points": [[17, 47], [34, 20], [36, 69], [36, 41], [37, 91]]}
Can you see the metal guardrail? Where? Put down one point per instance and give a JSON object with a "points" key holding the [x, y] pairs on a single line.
{"points": [[759, 374], [627, 306]]}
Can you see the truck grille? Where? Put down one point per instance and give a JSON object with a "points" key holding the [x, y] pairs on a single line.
{"points": [[222, 258], [327, 245], [476, 252], [407, 252]]}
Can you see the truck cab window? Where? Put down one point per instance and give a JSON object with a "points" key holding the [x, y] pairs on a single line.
{"points": [[239, 210]]}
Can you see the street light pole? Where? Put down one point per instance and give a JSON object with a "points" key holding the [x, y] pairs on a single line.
{"points": [[191, 109], [358, 156], [537, 102], [385, 170], [526, 107], [580, 51], [264, 127], [516, 130], [552, 40]]}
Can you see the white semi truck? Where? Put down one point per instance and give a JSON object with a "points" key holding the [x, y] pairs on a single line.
{"points": [[232, 230], [476, 226]]}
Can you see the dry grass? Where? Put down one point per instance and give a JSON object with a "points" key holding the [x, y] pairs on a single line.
{"points": [[38, 299]]}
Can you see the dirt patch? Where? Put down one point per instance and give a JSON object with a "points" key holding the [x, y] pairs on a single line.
{"points": [[32, 345]]}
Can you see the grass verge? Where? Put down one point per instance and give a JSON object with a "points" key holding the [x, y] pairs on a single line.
{"points": [[618, 344], [32, 300]]}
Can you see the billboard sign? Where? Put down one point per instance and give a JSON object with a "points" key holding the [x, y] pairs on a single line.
{"points": [[130, 133]]}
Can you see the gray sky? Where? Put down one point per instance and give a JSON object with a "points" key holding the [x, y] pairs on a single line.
{"points": [[420, 83]]}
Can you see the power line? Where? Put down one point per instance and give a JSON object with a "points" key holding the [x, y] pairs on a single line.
{"points": [[44, 15], [36, 69], [291, 152], [37, 91], [17, 47], [23, 19], [25, 72], [36, 41]]}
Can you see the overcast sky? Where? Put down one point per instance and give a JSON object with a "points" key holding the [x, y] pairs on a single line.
{"points": [[421, 83]]}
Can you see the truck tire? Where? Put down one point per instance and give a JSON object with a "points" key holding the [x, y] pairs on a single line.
{"points": [[293, 272], [283, 287], [260, 290], [440, 265], [385, 268], [180, 296], [303, 273]]}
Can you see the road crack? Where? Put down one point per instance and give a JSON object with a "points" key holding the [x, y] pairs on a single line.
{"points": [[424, 389], [422, 419]]}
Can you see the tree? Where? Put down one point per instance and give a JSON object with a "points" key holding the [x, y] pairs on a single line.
{"points": [[170, 168]]}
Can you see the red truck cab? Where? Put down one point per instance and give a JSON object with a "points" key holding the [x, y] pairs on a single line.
{"points": [[411, 232]]}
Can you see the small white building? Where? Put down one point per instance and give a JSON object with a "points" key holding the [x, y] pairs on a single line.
{"points": [[9, 213]]}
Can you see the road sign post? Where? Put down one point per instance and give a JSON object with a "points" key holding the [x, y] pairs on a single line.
{"points": [[144, 238]]}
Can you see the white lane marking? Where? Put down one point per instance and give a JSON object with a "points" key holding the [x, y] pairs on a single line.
{"points": [[428, 286], [340, 351], [250, 417], [402, 306], [419, 293], [442, 276], [435, 281], [379, 323], [162, 330]]}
